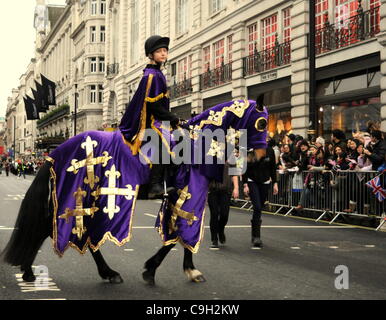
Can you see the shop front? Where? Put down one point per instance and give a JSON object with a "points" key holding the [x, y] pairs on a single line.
{"points": [[277, 98], [349, 102]]}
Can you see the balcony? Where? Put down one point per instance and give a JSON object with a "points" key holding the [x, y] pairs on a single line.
{"points": [[261, 61], [180, 89], [112, 69], [216, 77], [365, 25]]}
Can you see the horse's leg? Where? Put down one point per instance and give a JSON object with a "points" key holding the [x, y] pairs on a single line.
{"points": [[191, 272], [104, 270], [154, 262]]}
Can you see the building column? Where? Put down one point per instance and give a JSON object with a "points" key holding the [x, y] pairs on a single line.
{"points": [[197, 103], [382, 40], [239, 89], [300, 68]]}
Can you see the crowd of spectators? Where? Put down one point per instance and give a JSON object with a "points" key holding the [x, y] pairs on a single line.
{"points": [[362, 152]]}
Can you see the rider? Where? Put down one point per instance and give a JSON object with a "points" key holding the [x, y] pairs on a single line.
{"points": [[150, 102]]}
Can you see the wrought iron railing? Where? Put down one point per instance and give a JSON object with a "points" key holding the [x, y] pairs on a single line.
{"points": [[180, 89], [112, 69], [260, 61], [216, 77], [365, 25]]}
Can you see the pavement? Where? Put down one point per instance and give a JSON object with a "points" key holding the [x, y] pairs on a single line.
{"points": [[300, 260]]}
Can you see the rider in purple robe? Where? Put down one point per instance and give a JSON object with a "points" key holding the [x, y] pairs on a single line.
{"points": [[150, 103]]}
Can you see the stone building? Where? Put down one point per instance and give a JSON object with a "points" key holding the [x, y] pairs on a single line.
{"points": [[223, 50], [220, 50]]}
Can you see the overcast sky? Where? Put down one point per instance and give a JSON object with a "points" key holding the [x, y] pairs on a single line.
{"points": [[17, 44]]}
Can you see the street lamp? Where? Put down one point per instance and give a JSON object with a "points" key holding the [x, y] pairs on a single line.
{"points": [[313, 113], [76, 107]]}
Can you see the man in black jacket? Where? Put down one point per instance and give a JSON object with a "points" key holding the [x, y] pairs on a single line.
{"points": [[257, 180], [376, 150]]}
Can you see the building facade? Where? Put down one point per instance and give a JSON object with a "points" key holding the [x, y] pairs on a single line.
{"points": [[220, 50]]}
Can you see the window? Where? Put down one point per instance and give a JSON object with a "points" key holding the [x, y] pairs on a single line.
{"points": [[252, 39], [287, 25], [344, 9], [93, 64], [101, 64], [174, 72], [156, 16], [230, 47], [268, 31], [375, 18], [134, 31], [94, 7], [100, 93], [321, 13], [216, 5], [93, 34], [93, 94], [182, 69], [218, 49], [182, 16], [103, 7], [103, 34], [190, 65], [206, 54]]}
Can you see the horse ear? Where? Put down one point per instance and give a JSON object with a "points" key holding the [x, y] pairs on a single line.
{"points": [[260, 103]]}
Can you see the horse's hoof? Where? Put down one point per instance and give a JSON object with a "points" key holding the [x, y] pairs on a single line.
{"points": [[29, 277], [194, 275], [117, 279], [148, 276]]}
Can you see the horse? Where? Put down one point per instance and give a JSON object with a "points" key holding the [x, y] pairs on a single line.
{"points": [[83, 203]]}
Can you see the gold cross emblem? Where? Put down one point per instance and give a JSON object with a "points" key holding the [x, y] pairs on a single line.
{"points": [[89, 162], [178, 212], [112, 191], [79, 212], [233, 136]]}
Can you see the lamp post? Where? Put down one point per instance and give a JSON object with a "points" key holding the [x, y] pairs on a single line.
{"points": [[76, 107], [313, 113]]}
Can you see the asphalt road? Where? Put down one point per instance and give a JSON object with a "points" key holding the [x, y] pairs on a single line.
{"points": [[298, 261]]}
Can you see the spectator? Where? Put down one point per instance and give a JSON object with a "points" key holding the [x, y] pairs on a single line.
{"points": [[376, 150], [339, 139]]}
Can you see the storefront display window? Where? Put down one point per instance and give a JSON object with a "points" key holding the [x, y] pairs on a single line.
{"points": [[279, 125], [351, 117]]}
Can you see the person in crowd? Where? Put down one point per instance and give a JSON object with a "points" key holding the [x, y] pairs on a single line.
{"points": [[339, 139], [292, 142], [376, 150], [313, 179], [7, 168]]}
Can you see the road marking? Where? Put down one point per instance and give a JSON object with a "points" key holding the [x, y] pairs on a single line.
{"points": [[333, 247], [42, 283], [174, 249], [370, 246], [214, 249], [295, 248], [48, 299], [4, 228], [255, 248], [129, 250], [150, 215]]}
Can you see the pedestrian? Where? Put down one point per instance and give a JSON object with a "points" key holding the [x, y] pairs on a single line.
{"points": [[219, 198], [257, 181], [150, 103], [6, 168], [376, 150]]}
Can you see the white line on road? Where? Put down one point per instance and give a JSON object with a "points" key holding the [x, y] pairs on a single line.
{"points": [[333, 247], [4, 228], [295, 248], [370, 246], [129, 250]]}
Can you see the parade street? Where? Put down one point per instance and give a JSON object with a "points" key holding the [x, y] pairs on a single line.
{"points": [[301, 259]]}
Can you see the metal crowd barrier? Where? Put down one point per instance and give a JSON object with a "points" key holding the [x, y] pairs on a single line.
{"points": [[333, 193]]}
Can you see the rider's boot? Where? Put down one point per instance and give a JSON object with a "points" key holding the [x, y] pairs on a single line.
{"points": [[157, 189]]}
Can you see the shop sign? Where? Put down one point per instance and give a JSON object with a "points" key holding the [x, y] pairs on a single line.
{"points": [[269, 76]]}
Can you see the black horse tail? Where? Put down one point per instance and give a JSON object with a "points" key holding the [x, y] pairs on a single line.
{"points": [[33, 224]]}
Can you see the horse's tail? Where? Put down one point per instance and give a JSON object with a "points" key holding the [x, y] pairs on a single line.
{"points": [[33, 224]]}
